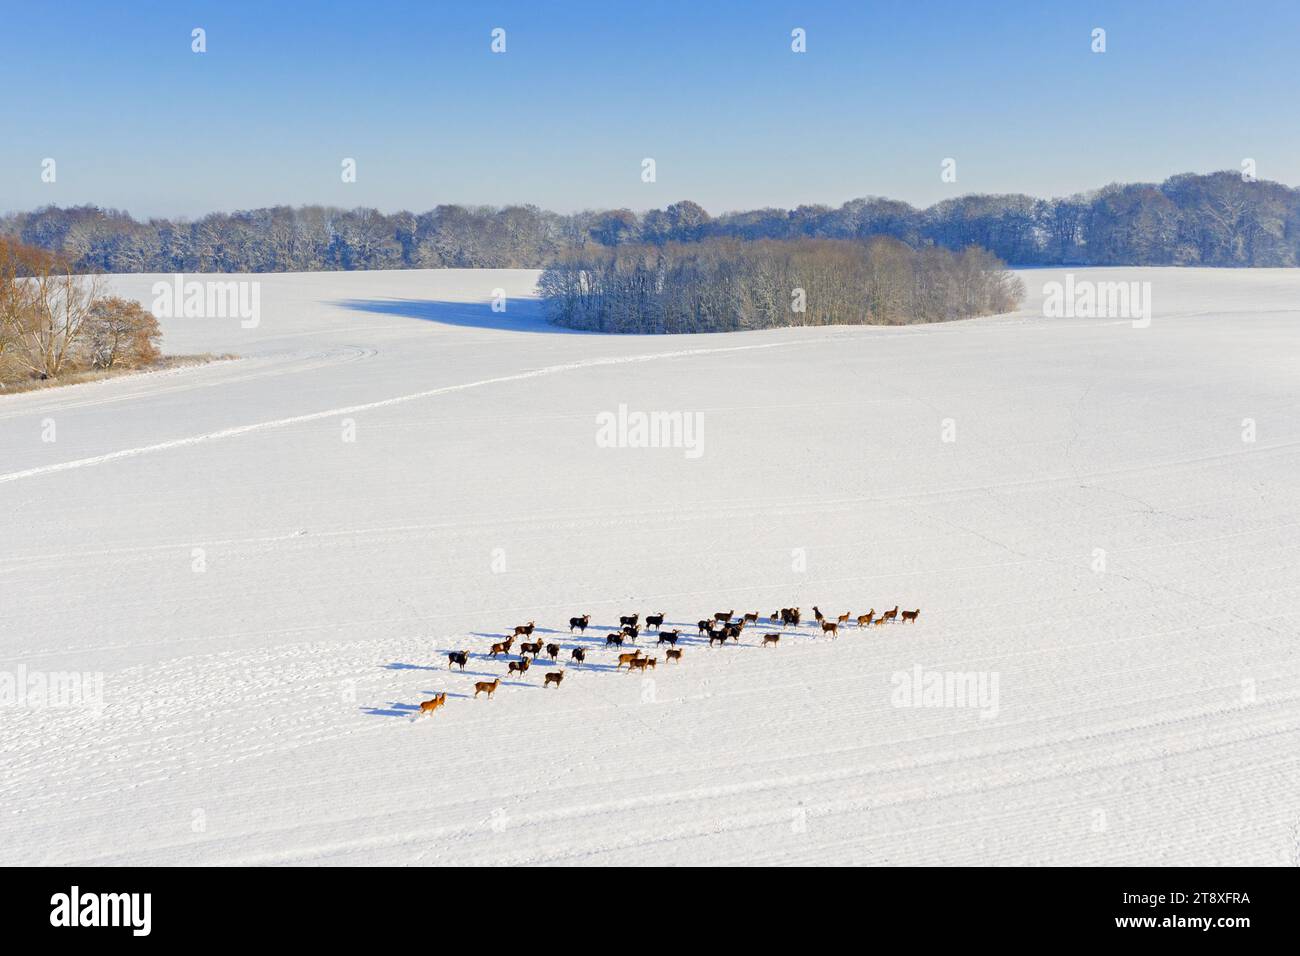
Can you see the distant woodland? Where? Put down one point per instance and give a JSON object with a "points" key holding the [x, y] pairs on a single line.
{"points": [[1188, 220], [676, 269]]}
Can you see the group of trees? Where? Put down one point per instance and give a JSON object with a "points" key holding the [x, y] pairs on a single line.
{"points": [[720, 285], [54, 322], [304, 239], [1214, 220]]}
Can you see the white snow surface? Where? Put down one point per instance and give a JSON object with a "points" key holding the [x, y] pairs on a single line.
{"points": [[267, 602]]}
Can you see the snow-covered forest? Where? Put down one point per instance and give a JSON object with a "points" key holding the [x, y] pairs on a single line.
{"points": [[1221, 219]]}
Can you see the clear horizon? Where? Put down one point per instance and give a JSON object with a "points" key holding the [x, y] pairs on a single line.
{"points": [[734, 119]]}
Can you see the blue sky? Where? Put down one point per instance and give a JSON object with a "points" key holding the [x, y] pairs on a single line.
{"points": [[710, 90]]}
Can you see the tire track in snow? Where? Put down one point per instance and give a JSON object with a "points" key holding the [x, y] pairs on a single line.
{"points": [[382, 403]]}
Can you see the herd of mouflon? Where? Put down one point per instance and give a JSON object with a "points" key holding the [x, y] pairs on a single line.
{"points": [[718, 629]]}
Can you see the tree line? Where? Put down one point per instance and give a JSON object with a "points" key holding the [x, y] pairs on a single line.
{"points": [[723, 285], [54, 322], [1218, 219]]}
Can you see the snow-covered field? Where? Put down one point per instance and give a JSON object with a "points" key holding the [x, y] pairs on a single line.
{"points": [[265, 561]]}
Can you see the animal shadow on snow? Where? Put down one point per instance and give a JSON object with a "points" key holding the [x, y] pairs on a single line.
{"points": [[398, 709], [593, 667], [394, 709], [521, 314], [439, 668]]}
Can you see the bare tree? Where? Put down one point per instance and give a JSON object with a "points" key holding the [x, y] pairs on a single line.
{"points": [[45, 309], [121, 333]]}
